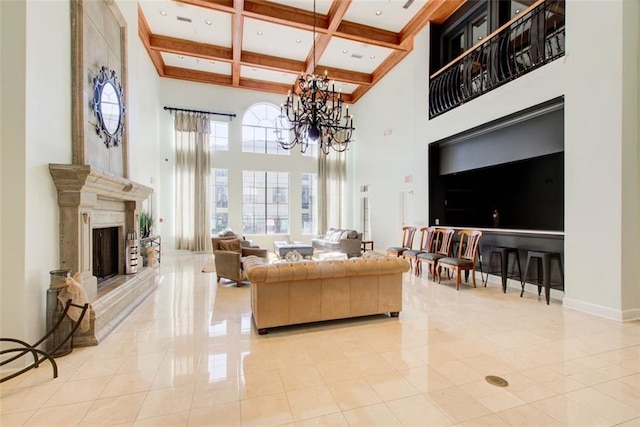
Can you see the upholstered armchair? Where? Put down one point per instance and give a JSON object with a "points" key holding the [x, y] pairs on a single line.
{"points": [[229, 254]]}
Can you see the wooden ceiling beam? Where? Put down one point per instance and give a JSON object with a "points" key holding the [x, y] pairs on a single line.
{"points": [[220, 5], [236, 41], [285, 15], [145, 35], [346, 76], [369, 35], [336, 13], [197, 76], [251, 59], [190, 48]]}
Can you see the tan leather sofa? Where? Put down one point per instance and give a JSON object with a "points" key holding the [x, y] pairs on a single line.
{"points": [[311, 291]]}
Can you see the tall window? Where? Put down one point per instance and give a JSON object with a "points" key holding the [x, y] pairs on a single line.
{"points": [[309, 207], [265, 202], [220, 198], [259, 130], [219, 136]]}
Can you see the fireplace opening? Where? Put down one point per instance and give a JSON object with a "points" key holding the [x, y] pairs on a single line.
{"points": [[105, 253]]}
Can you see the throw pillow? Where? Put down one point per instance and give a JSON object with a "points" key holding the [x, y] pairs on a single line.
{"points": [[352, 234], [227, 232], [230, 245]]}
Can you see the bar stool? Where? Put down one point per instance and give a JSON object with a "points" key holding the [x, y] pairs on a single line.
{"points": [[503, 253], [543, 260]]}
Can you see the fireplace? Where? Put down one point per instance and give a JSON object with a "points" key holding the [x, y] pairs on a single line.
{"points": [[96, 211], [106, 253]]}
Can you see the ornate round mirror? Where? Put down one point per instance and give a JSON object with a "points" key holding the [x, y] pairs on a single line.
{"points": [[108, 105]]}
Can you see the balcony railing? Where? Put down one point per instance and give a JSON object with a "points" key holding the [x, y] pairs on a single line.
{"points": [[521, 45]]}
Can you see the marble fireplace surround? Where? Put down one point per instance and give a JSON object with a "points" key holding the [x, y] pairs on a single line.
{"points": [[88, 199]]}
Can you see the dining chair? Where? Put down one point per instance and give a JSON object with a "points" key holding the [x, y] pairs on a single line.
{"points": [[467, 256]]}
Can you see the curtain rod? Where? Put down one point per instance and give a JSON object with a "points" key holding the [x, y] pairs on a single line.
{"points": [[230, 115]]}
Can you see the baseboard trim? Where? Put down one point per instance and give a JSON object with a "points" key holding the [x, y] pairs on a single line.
{"points": [[600, 311]]}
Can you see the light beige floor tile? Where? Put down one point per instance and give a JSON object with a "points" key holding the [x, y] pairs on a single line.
{"points": [[418, 410], [337, 370], [302, 376], [208, 394], [266, 410], [77, 391], [391, 386], [114, 410], [337, 420], [62, 415], [527, 389], [166, 401], [603, 405], [370, 363], [15, 419], [458, 405], [373, 415], [569, 413], [631, 423], [457, 372], [402, 359], [230, 374], [223, 414], [178, 419], [495, 398], [311, 402], [128, 383], [426, 379], [97, 368], [352, 394], [260, 383], [527, 415], [487, 420], [24, 398]]}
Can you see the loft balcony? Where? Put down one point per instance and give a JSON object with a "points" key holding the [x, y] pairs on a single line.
{"points": [[529, 41]]}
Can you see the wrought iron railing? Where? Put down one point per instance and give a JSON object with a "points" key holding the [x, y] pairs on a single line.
{"points": [[521, 45]]}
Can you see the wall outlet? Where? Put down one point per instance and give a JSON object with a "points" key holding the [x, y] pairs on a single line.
{"points": [[437, 221]]}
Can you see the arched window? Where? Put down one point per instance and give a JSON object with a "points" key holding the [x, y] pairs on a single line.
{"points": [[259, 130]]}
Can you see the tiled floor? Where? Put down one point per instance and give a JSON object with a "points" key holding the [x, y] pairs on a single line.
{"points": [[189, 355]]}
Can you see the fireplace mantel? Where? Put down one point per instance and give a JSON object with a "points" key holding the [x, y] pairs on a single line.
{"points": [[89, 198]]}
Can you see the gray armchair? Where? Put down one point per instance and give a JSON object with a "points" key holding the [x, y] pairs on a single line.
{"points": [[229, 262]]}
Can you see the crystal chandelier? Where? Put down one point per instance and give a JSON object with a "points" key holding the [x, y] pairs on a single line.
{"points": [[315, 111]]}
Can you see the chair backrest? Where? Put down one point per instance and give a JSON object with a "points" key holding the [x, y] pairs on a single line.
{"points": [[407, 236], [443, 239], [215, 241], [468, 246], [426, 238]]}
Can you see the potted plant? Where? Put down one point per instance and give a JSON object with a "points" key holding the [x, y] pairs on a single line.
{"points": [[146, 221]]}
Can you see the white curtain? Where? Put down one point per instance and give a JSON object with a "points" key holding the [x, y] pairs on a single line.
{"points": [[332, 177], [193, 169]]}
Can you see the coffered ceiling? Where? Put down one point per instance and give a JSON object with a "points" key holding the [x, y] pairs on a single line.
{"points": [[264, 45]]}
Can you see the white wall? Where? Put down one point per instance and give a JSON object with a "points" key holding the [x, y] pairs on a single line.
{"points": [[199, 96], [595, 111], [390, 145], [36, 120]]}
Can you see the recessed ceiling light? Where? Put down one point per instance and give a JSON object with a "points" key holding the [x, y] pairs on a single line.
{"points": [[372, 56], [180, 56], [284, 74], [163, 13], [517, 11], [213, 62], [298, 41], [254, 69], [259, 33], [345, 51], [378, 12], [208, 22]]}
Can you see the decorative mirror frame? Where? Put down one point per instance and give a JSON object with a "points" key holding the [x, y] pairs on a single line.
{"points": [[107, 76]]}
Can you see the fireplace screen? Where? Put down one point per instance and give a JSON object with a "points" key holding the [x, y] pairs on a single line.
{"points": [[105, 253]]}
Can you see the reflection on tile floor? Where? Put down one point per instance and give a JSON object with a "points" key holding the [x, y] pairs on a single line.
{"points": [[190, 355]]}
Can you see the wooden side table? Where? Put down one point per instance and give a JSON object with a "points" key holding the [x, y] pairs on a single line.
{"points": [[367, 245]]}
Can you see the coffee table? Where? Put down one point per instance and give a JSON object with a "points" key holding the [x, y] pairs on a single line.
{"points": [[282, 248]]}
